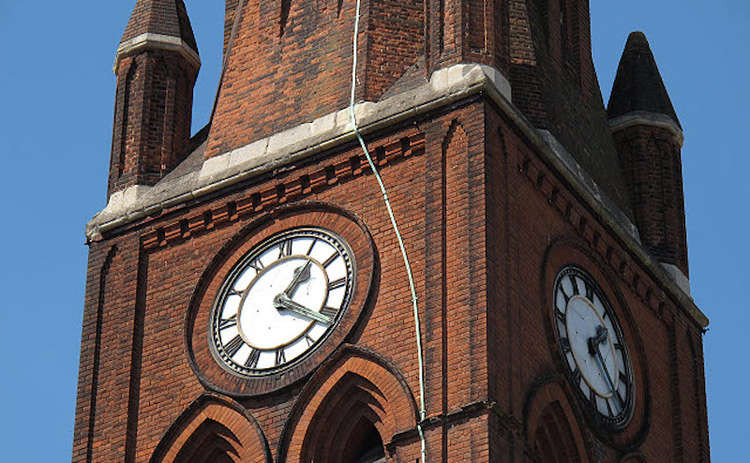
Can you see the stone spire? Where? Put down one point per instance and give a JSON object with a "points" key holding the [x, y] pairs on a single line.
{"points": [[159, 24], [638, 85], [648, 137]]}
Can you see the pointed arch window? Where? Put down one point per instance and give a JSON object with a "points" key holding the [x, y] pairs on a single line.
{"points": [[345, 428], [350, 412], [212, 442], [553, 439], [213, 429]]}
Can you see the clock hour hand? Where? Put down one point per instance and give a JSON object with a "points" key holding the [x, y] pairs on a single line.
{"points": [[284, 302], [301, 275]]}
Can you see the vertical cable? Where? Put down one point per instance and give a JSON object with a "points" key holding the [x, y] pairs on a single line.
{"points": [[422, 412]]}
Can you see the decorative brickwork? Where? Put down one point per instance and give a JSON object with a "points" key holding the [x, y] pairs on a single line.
{"points": [[553, 431], [152, 117], [651, 156], [355, 385], [297, 184], [156, 67], [492, 198], [213, 428]]}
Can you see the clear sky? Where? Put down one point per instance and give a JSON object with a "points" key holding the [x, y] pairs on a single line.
{"points": [[56, 106]]}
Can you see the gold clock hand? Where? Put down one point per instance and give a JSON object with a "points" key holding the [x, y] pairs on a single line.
{"points": [[283, 302]]}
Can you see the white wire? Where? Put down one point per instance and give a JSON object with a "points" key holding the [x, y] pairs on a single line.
{"points": [[422, 411]]}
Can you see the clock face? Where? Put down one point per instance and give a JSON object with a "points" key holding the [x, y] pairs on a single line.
{"points": [[592, 344], [281, 301]]}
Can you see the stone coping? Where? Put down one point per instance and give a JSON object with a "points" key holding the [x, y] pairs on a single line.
{"points": [[158, 41], [635, 118], [444, 87]]}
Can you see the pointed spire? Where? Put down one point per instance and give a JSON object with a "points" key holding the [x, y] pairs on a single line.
{"points": [[164, 17], [159, 24], [638, 85]]}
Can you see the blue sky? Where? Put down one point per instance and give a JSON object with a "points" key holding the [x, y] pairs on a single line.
{"points": [[56, 106]]}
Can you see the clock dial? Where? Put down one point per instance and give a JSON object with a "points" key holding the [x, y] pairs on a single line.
{"points": [[281, 301], [591, 341]]}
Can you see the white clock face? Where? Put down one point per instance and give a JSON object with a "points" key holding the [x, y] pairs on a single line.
{"points": [[281, 301], [592, 343]]}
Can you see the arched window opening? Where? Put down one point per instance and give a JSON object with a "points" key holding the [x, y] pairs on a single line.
{"points": [[349, 413], [213, 429], [345, 427], [364, 444], [553, 438], [210, 443]]}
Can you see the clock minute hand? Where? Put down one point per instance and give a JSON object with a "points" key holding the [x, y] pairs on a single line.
{"points": [[594, 342], [283, 302]]}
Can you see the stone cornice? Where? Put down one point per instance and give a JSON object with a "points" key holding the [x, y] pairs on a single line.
{"points": [[156, 41], [445, 87], [635, 118]]}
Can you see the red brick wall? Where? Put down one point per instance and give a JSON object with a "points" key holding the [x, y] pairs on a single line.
{"points": [[277, 80], [538, 224], [153, 112], [473, 31], [230, 10], [653, 169], [486, 224]]}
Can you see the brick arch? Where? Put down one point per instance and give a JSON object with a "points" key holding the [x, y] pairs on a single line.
{"points": [[355, 387], [213, 429], [551, 429], [633, 458]]}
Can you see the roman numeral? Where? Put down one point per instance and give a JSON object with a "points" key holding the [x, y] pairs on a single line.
{"points": [[252, 359], [336, 284], [565, 344], [312, 245], [257, 265], [329, 312], [285, 248], [560, 316], [330, 260], [234, 292], [577, 377], [310, 341], [573, 281], [233, 346], [589, 292], [618, 346], [280, 356], [228, 322], [623, 377], [565, 295]]}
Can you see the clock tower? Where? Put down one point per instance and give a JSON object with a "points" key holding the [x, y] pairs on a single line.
{"points": [[410, 232]]}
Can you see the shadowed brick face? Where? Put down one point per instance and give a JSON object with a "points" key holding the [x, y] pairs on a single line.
{"points": [[654, 176], [487, 218], [152, 118]]}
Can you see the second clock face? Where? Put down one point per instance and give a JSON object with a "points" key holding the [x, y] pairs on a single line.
{"points": [[281, 301], [592, 343]]}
